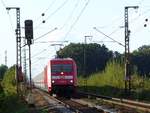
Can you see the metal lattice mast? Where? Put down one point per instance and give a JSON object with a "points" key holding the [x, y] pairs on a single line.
{"points": [[127, 51], [18, 45], [18, 37], [127, 75]]}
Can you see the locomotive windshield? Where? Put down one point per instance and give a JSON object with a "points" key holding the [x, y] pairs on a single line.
{"points": [[62, 68]]}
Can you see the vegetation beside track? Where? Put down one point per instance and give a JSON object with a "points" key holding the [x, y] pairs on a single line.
{"points": [[9, 100], [110, 82]]}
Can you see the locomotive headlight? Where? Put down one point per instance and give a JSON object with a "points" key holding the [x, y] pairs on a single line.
{"points": [[62, 73], [71, 81], [53, 81]]}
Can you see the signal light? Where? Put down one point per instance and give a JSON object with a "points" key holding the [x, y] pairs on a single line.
{"points": [[28, 29]]}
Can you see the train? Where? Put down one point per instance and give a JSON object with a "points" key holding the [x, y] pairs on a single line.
{"points": [[58, 77]]}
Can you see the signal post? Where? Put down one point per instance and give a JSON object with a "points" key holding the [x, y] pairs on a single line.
{"points": [[29, 38]]}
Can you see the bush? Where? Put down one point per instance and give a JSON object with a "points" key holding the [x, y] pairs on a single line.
{"points": [[111, 82]]}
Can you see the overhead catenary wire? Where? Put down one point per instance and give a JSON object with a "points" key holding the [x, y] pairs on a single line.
{"points": [[46, 49], [102, 40], [50, 41], [45, 34], [140, 14], [78, 17], [140, 2], [42, 51], [50, 5], [10, 20], [11, 23], [53, 13], [3, 3], [71, 14], [143, 17], [37, 54], [108, 36]]}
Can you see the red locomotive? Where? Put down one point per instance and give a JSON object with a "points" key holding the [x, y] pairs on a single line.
{"points": [[59, 77]]}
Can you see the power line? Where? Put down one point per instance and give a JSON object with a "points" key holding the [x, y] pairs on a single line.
{"points": [[37, 54], [118, 19], [140, 2], [3, 4], [108, 36], [103, 41], [112, 33], [46, 34], [11, 23], [48, 47], [71, 14], [54, 12], [71, 27], [50, 41], [10, 20], [51, 4]]}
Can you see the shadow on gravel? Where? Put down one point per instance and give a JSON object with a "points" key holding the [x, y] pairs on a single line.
{"points": [[138, 94]]}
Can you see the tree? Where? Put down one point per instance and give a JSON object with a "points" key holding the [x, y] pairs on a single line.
{"points": [[141, 58], [9, 81], [96, 56], [3, 69]]}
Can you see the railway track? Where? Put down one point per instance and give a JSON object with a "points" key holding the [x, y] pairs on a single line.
{"points": [[63, 105], [80, 105], [144, 107]]}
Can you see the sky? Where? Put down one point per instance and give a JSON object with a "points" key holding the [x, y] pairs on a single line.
{"points": [[69, 21]]}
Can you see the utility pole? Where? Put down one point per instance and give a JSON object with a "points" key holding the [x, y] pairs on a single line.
{"points": [[85, 43], [18, 46], [127, 52]]}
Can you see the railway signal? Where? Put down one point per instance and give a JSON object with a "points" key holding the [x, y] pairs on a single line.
{"points": [[29, 37], [29, 31]]}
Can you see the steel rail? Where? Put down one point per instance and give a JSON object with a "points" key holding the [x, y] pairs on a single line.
{"points": [[122, 102]]}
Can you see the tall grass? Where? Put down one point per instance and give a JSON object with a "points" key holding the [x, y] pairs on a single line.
{"points": [[113, 75], [110, 82], [106, 82]]}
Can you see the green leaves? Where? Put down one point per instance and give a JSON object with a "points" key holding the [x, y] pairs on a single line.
{"points": [[3, 69], [141, 59], [96, 56], [9, 81]]}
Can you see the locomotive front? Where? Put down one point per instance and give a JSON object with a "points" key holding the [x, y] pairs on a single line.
{"points": [[63, 76]]}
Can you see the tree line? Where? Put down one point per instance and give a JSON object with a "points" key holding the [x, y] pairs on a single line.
{"points": [[98, 55]]}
